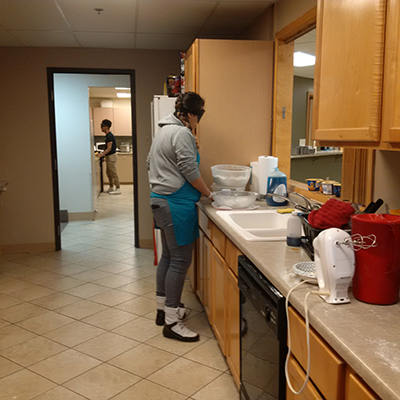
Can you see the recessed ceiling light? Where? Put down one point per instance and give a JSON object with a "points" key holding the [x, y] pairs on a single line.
{"points": [[122, 88], [303, 59], [123, 95]]}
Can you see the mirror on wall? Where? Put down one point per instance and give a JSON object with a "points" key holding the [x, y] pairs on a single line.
{"points": [[307, 159]]}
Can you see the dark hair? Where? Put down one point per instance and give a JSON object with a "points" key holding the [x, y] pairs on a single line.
{"points": [[188, 102], [106, 122]]}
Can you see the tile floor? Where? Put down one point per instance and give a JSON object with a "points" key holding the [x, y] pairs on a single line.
{"points": [[79, 323]]}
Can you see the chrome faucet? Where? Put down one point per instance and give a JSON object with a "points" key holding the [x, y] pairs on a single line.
{"points": [[305, 209]]}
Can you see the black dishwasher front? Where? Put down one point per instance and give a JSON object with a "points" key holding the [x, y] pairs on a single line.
{"points": [[262, 336]]}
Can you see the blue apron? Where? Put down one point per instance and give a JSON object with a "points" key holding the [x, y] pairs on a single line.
{"points": [[182, 204]]}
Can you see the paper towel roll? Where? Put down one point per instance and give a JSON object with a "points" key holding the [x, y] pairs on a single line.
{"points": [[266, 164], [254, 176]]}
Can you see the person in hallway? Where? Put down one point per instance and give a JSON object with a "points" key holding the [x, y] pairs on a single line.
{"points": [[176, 186], [110, 153]]}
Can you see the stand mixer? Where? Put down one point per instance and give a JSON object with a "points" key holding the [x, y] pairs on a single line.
{"points": [[334, 264]]}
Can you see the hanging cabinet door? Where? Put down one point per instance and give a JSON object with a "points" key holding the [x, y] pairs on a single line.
{"points": [[391, 98], [349, 71]]}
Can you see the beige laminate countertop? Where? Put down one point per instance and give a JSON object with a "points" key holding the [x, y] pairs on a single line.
{"points": [[366, 336]]}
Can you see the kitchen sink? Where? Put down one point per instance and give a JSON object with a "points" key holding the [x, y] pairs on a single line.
{"points": [[257, 225]]}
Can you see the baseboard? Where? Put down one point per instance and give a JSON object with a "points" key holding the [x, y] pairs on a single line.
{"points": [[81, 216], [146, 243], [27, 248]]}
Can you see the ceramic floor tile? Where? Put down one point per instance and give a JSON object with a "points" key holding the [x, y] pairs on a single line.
{"points": [[32, 351], [107, 346], [110, 319], [55, 300], [11, 335], [102, 383], [46, 322], [114, 281], [112, 297], [141, 329], [115, 267], [138, 306], [209, 354], [42, 277], [63, 283], [81, 309], [179, 374], [8, 301], [221, 388], [175, 346], [143, 360], [23, 385], [74, 334], [92, 275], [139, 287], [145, 390], [32, 293], [86, 291], [10, 286], [59, 393], [199, 324], [7, 367], [64, 366], [4, 323]]}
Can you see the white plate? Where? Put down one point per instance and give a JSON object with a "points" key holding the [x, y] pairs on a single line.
{"points": [[233, 209], [306, 271]]}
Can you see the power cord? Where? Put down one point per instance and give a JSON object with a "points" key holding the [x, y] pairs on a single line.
{"points": [[307, 335]]}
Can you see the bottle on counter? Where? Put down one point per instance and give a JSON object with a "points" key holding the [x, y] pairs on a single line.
{"points": [[293, 237], [276, 184]]}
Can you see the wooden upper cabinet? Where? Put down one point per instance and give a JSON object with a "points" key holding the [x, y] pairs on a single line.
{"points": [[122, 122], [391, 91], [235, 78], [349, 71]]}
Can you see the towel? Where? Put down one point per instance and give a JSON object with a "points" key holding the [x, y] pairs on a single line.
{"points": [[333, 214]]}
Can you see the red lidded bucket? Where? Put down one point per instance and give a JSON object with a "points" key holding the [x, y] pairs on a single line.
{"points": [[377, 270]]}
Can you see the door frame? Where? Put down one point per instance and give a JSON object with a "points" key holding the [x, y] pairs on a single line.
{"points": [[53, 142]]}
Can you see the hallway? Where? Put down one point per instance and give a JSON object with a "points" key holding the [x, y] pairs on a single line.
{"points": [[79, 323]]}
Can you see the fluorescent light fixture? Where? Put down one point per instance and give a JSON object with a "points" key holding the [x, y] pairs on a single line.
{"points": [[122, 88], [124, 95], [302, 59]]}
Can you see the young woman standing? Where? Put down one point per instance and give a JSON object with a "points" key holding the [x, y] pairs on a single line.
{"points": [[176, 186]]}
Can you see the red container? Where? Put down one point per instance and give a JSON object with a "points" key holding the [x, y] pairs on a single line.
{"points": [[377, 271]]}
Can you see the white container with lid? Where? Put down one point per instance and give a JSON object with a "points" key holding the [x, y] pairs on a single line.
{"points": [[293, 238]]}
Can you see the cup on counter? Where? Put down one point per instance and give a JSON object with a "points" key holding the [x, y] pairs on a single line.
{"points": [[327, 187], [337, 189], [313, 184]]}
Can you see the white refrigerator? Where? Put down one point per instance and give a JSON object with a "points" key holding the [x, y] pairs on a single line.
{"points": [[160, 107]]}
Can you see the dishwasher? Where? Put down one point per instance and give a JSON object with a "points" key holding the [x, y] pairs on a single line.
{"points": [[262, 335]]}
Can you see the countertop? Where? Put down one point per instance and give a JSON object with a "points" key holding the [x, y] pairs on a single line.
{"points": [[366, 336]]}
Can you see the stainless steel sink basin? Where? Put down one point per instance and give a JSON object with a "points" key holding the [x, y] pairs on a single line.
{"points": [[257, 225]]}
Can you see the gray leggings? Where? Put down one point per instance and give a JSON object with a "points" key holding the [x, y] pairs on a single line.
{"points": [[175, 260]]}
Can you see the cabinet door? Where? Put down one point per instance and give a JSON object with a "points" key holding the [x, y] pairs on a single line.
{"points": [[349, 71], [122, 122], [200, 267], [231, 256], [233, 325], [391, 91], [207, 249], [297, 378], [357, 389], [191, 61], [100, 113], [218, 266]]}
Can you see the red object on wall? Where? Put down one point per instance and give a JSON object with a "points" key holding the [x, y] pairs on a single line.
{"points": [[377, 271]]}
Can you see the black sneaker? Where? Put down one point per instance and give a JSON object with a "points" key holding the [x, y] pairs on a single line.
{"points": [[179, 331], [160, 318]]}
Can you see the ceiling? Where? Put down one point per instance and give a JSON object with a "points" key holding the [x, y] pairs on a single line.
{"points": [[124, 24], [305, 44]]}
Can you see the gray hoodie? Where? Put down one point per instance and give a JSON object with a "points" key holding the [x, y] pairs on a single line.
{"points": [[172, 157]]}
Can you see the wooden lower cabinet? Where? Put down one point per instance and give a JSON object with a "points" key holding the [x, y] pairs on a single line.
{"points": [[124, 169], [329, 373], [356, 388], [218, 306], [297, 377], [232, 327], [217, 289]]}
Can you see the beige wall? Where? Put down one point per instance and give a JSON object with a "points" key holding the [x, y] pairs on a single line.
{"points": [[287, 11], [26, 208]]}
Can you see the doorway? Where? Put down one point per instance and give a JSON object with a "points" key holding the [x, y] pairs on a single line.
{"points": [[71, 140]]}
